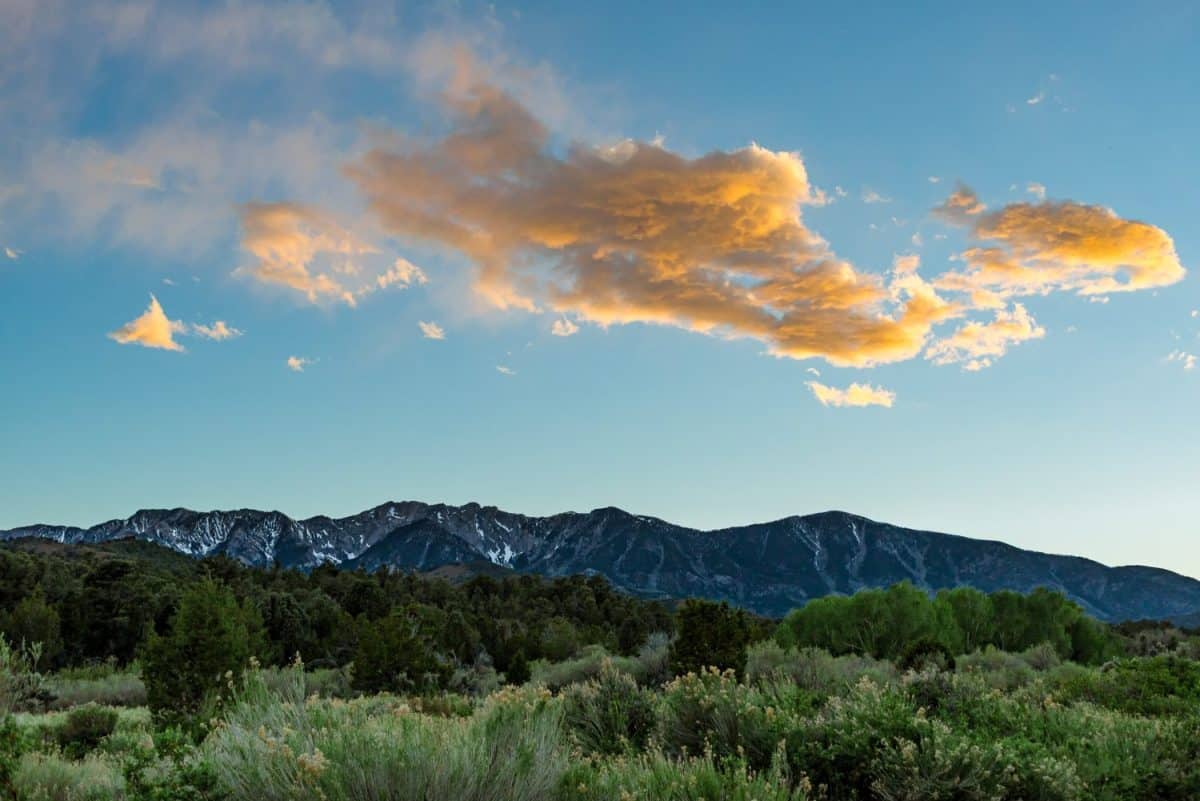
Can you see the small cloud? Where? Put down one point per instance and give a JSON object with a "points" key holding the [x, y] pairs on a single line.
{"points": [[840, 192], [1187, 360], [1195, 313], [935, 179], [152, 330], [402, 273], [1010, 108], [871, 196], [853, 395], [168, 282], [960, 206], [218, 331], [916, 240], [13, 253], [297, 363], [813, 371], [505, 370], [1102, 299], [1036, 189], [1071, 329], [564, 328], [431, 330]]}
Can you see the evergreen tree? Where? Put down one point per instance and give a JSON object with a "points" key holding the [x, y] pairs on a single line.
{"points": [[710, 635], [204, 652]]}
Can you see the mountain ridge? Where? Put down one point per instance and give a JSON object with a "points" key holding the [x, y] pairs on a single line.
{"points": [[768, 567]]}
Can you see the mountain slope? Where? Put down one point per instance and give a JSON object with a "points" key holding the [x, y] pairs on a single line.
{"points": [[767, 567]]}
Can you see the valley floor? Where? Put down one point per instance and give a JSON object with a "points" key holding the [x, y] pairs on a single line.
{"points": [[798, 724]]}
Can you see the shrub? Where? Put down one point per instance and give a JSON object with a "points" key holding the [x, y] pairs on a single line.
{"points": [[52, 778], [478, 680], [942, 763], [22, 687], [654, 660], [656, 777], [814, 669], [922, 652], [609, 715], [1042, 657], [588, 665], [710, 712], [999, 669], [114, 689], [84, 728], [283, 747], [836, 748], [1160, 685], [11, 748]]}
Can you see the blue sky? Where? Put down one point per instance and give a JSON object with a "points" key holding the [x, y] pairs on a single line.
{"points": [[685, 193]]}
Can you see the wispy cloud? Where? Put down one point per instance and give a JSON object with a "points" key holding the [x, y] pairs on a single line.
{"points": [[1182, 358], [153, 329], [1036, 189], [563, 327], [871, 196], [853, 395], [12, 253], [975, 345], [505, 370], [297, 363], [218, 331], [431, 330]]}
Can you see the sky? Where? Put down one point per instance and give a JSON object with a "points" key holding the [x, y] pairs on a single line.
{"points": [[935, 265]]}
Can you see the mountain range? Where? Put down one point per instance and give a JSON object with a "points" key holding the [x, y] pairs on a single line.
{"points": [[768, 568]]}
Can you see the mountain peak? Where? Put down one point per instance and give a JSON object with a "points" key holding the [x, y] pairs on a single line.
{"points": [[767, 567]]}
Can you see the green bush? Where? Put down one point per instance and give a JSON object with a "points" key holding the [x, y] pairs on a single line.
{"points": [[922, 652], [22, 687], [999, 669], [113, 689], [84, 728], [280, 746], [47, 777], [1159, 685], [836, 749], [710, 712], [609, 715], [656, 777]]}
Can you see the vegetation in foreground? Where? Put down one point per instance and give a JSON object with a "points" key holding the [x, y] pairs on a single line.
{"points": [[889, 694]]}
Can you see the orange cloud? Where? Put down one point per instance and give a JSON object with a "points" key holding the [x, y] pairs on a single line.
{"points": [[1038, 248], [152, 330], [633, 232], [853, 395], [306, 250]]}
